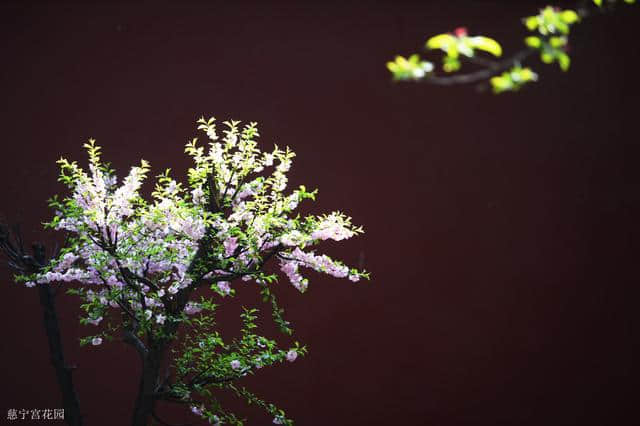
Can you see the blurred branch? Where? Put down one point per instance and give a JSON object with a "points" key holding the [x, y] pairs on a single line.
{"points": [[492, 68], [23, 262], [549, 34]]}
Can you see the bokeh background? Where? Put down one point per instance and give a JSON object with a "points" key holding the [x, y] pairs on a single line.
{"points": [[501, 231]]}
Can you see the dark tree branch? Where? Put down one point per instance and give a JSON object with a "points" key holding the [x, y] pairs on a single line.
{"points": [[131, 338], [493, 68], [214, 193], [22, 262], [209, 379]]}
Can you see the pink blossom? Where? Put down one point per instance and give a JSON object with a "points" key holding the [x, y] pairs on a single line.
{"points": [[197, 195], [460, 31], [290, 268], [95, 321], [333, 231], [157, 240], [223, 286], [230, 245], [192, 308], [292, 355]]}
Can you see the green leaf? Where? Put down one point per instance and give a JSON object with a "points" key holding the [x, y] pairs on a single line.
{"points": [[452, 51], [598, 2], [487, 44], [533, 41], [500, 84], [441, 41], [531, 22], [451, 64], [546, 57], [512, 79], [562, 27], [569, 16], [527, 75], [564, 61], [403, 69], [557, 42]]}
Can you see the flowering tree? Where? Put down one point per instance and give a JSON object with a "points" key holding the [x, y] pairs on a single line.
{"points": [[549, 38], [138, 264]]}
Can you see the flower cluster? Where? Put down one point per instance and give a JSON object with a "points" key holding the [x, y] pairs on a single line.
{"points": [[138, 261], [137, 255]]}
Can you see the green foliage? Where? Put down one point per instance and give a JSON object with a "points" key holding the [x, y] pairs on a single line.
{"points": [[276, 311], [513, 79], [278, 415], [486, 44], [552, 20], [409, 69], [599, 2], [206, 364], [141, 261], [460, 44], [551, 26]]}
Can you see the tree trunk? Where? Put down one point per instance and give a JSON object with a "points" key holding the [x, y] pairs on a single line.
{"points": [[152, 363], [145, 402], [63, 372]]}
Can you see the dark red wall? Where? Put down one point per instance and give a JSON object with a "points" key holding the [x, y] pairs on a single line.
{"points": [[501, 231]]}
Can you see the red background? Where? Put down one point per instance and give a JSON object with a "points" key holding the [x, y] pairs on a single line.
{"points": [[501, 230]]}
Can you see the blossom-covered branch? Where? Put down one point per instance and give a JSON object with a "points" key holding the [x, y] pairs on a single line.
{"points": [[140, 262], [551, 28]]}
